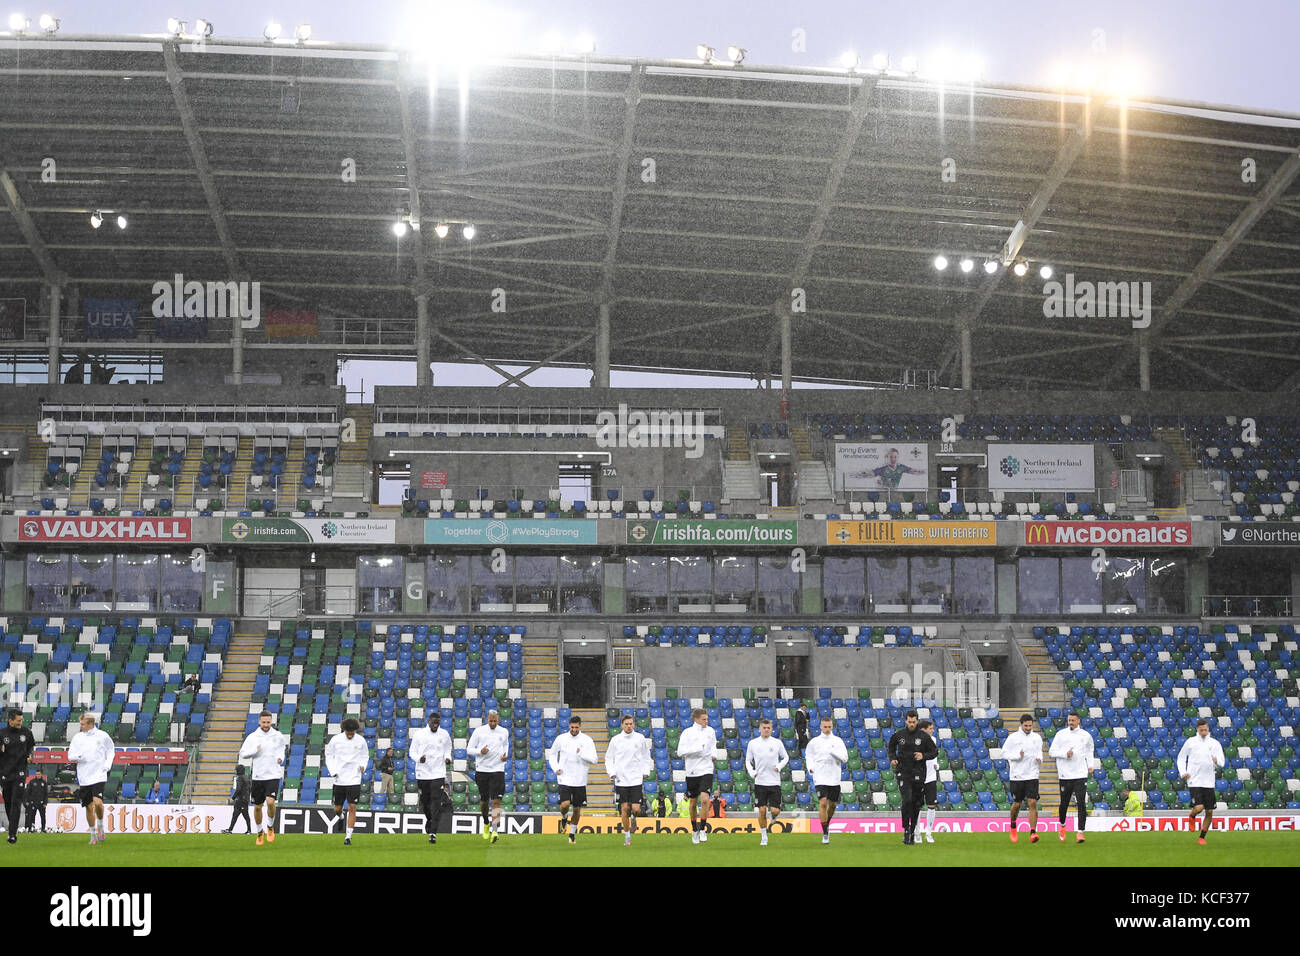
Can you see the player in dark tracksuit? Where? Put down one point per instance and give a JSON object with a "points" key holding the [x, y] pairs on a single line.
{"points": [[239, 789], [38, 795], [909, 749], [16, 746]]}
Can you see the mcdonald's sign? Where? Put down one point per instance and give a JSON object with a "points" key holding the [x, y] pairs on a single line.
{"points": [[1093, 534]]}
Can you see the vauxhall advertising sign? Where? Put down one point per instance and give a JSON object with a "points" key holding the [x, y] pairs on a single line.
{"points": [[1094, 534], [105, 530]]}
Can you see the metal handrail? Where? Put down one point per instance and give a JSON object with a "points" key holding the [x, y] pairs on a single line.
{"points": [[1246, 605]]}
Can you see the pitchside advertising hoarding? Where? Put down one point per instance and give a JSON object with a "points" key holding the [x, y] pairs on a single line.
{"points": [[309, 530], [881, 466], [942, 534], [959, 823], [105, 530], [680, 531], [1259, 535], [1018, 467], [1101, 534], [518, 531]]}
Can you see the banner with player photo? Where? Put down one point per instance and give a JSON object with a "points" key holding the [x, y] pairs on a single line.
{"points": [[882, 466]]}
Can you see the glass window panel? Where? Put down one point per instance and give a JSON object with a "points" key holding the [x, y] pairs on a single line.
{"points": [[974, 586], [582, 578], [90, 582], [932, 581], [47, 582], [690, 580], [1124, 585], [380, 579], [779, 588], [1167, 585], [535, 580], [1080, 586], [137, 582], [1039, 586], [447, 583], [182, 586], [491, 587], [647, 584], [887, 583], [843, 585], [733, 580]]}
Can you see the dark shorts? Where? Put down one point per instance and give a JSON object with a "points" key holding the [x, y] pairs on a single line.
{"points": [[491, 786], [264, 790], [1022, 790], [767, 796], [629, 795], [698, 785], [574, 796], [350, 793], [932, 793], [1204, 796], [829, 793], [432, 791], [89, 792]]}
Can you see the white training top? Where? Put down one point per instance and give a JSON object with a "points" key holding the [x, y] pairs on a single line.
{"points": [[267, 750], [498, 744], [1066, 740], [571, 756], [1031, 744], [347, 759], [92, 751], [696, 746], [764, 760], [1201, 759], [435, 747], [826, 756], [628, 760]]}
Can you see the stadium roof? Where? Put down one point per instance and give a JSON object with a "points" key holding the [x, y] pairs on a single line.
{"points": [[690, 199]]}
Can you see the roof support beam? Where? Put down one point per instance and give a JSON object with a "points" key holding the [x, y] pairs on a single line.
{"points": [[423, 358]]}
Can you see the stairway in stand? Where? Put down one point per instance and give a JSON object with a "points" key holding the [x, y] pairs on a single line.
{"points": [[218, 751], [600, 789], [542, 672]]}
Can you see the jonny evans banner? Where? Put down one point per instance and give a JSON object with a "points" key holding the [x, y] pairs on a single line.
{"points": [[1016, 467], [514, 532], [105, 530], [132, 818], [881, 466], [938, 534], [1260, 535], [309, 530], [1101, 534], [679, 531]]}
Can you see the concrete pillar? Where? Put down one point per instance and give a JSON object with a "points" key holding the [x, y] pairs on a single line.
{"points": [[55, 293], [1144, 364], [601, 365], [236, 350], [423, 376], [966, 365], [787, 356]]}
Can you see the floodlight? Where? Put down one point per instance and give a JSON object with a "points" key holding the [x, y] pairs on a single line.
{"points": [[967, 265], [399, 228], [849, 60], [49, 23], [272, 31], [203, 27], [303, 33], [96, 220], [121, 222], [941, 262], [18, 23], [990, 266], [1020, 268], [705, 52], [736, 54], [468, 231], [585, 44], [909, 65], [1045, 272], [175, 27], [880, 62], [441, 230]]}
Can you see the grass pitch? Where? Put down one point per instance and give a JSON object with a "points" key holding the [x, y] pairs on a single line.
{"points": [[1233, 849]]}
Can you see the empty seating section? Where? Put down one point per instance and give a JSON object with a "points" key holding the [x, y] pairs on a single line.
{"points": [[1049, 428], [133, 666], [1141, 690], [756, 635], [1258, 480], [312, 675], [968, 778]]}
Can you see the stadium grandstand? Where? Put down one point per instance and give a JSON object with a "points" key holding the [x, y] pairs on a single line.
{"points": [[1023, 432]]}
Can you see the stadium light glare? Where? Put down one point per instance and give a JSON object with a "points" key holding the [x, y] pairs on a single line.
{"points": [[468, 231], [18, 23], [96, 220], [49, 23], [202, 28], [1045, 272], [303, 32], [121, 222], [941, 262], [1020, 268], [967, 265], [585, 44], [850, 60], [441, 230], [880, 62], [970, 69], [399, 228], [736, 54], [705, 52], [272, 31], [553, 42], [909, 65], [175, 27], [990, 266]]}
